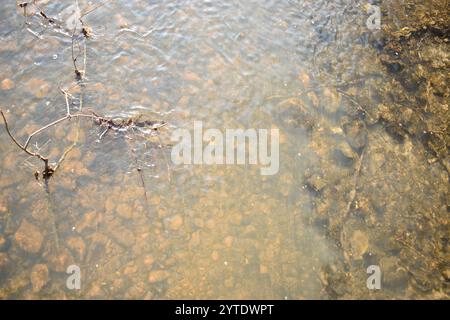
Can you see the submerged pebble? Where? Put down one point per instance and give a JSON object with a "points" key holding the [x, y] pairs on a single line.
{"points": [[157, 276], [359, 243], [39, 277], [7, 84], [28, 237], [4, 260]]}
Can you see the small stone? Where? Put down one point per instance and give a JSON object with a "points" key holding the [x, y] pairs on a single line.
{"points": [[121, 22], [236, 219], [130, 270], [149, 260], [28, 237], [60, 262], [124, 237], [149, 296], [3, 207], [2, 242], [39, 277], [314, 100], [136, 291], [76, 244], [7, 84], [228, 241], [175, 222], [191, 76], [215, 256], [394, 277], [263, 269], [446, 274], [250, 231], [316, 183], [359, 243], [199, 223], [195, 239], [110, 204], [304, 78], [124, 211], [3, 260], [157, 276], [356, 134], [331, 101], [95, 292], [344, 149], [38, 87], [88, 221], [229, 282]]}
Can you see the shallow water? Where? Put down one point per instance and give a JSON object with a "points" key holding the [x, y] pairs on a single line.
{"points": [[344, 198]]}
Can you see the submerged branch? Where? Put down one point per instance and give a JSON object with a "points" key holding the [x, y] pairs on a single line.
{"points": [[110, 124]]}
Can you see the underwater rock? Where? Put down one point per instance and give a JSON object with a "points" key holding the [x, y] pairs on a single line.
{"points": [[76, 244], [316, 182], [136, 291], [120, 21], [356, 133], [338, 283], [228, 241], [343, 149], [149, 260], [28, 237], [110, 204], [195, 239], [446, 274], [263, 269], [37, 87], [294, 113], [157, 276], [95, 292], [124, 211], [385, 113], [394, 277], [2, 242], [3, 207], [174, 223], [250, 231], [124, 237], [39, 277], [359, 243], [4, 260], [88, 221], [215, 255], [331, 101], [236, 219], [130, 269], [59, 262], [7, 84]]}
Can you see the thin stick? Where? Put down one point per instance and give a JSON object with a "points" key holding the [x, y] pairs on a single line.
{"points": [[17, 142], [73, 56], [93, 9], [66, 96], [48, 172], [142, 180], [355, 183]]}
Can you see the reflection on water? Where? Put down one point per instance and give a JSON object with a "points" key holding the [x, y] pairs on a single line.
{"points": [[357, 185]]}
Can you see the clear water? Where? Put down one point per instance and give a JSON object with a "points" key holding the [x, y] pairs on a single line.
{"points": [[221, 231]]}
